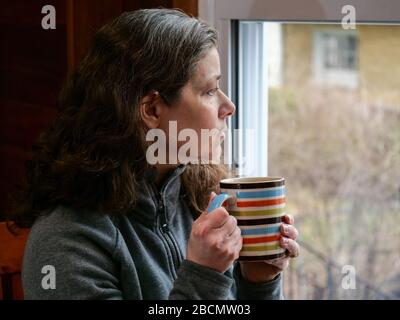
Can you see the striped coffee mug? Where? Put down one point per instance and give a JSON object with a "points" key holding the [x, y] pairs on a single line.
{"points": [[259, 206]]}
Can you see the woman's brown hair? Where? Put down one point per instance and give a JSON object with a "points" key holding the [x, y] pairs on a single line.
{"points": [[93, 155]]}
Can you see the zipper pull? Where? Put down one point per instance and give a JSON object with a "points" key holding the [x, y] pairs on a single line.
{"points": [[164, 225], [165, 228]]}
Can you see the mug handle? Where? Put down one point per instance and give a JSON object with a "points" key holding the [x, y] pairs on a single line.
{"points": [[218, 201]]}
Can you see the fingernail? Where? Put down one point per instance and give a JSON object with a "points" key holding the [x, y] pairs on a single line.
{"points": [[285, 229], [285, 241]]}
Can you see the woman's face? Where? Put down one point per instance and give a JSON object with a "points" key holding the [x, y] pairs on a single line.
{"points": [[202, 105]]}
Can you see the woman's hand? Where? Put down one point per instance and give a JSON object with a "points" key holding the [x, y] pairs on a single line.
{"points": [[215, 240], [264, 271]]}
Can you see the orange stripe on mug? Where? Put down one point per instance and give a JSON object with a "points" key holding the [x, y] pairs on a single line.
{"points": [[261, 239], [259, 203]]}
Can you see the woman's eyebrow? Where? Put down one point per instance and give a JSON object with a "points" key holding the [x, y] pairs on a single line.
{"points": [[203, 82], [216, 77], [213, 78]]}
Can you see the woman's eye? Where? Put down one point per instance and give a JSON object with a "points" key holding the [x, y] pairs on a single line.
{"points": [[212, 92]]}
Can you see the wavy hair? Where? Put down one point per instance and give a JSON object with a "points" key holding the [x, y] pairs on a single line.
{"points": [[93, 155]]}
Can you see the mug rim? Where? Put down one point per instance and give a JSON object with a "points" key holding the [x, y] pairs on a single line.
{"points": [[252, 182]]}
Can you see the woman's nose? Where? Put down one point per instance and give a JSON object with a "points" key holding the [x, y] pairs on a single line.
{"points": [[227, 108]]}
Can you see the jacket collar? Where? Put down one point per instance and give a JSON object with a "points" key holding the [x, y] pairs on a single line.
{"points": [[150, 197]]}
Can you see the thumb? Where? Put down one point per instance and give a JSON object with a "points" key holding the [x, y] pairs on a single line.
{"points": [[218, 218], [205, 212]]}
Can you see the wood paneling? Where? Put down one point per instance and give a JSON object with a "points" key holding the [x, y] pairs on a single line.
{"points": [[25, 12], [12, 245], [83, 19], [34, 64], [190, 6], [21, 124]]}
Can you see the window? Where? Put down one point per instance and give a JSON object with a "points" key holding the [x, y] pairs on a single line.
{"points": [[324, 106], [335, 57]]}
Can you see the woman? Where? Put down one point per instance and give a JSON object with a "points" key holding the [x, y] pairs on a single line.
{"points": [[105, 222]]}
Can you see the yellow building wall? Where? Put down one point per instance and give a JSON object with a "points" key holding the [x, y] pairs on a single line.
{"points": [[379, 63], [297, 48], [379, 60]]}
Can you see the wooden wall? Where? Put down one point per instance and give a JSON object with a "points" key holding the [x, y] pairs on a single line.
{"points": [[32, 68], [34, 63]]}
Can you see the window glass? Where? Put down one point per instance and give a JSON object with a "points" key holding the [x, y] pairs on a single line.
{"points": [[334, 134]]}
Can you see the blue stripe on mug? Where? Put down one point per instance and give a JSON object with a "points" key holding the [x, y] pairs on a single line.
{"points": [[261, 194], [260, 231]]}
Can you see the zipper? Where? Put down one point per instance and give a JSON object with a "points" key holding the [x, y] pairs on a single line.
{"points": [[167, 234], [160, 208], [164, 231]]}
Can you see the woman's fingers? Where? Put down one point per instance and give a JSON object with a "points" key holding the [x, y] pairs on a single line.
{"points": [[288, 218], [229, 227], [291, 245], [289, 235], [236, 233], [289, 231]]}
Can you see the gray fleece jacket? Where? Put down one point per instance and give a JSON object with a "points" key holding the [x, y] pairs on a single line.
{"points": [[140, 255]]}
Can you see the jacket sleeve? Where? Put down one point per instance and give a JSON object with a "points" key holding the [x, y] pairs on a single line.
{"points": [[70, 261], [196, 282], [245, 290]]}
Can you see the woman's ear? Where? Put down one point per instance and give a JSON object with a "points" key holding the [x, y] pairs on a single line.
{"points": [[151, 108]]}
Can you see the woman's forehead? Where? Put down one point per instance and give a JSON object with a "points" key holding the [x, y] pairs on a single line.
{"points": [[208, 68]]}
